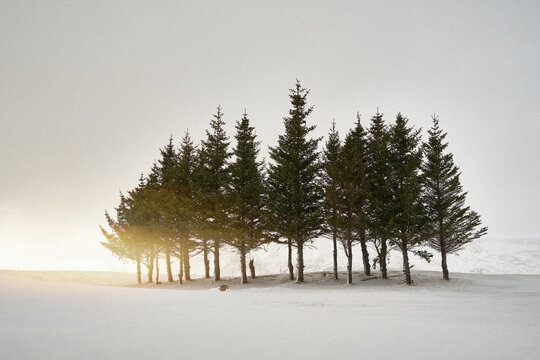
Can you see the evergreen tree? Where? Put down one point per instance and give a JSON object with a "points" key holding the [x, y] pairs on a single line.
{"points": [[406, 189], [246, 228], [212, 181], [293, 178], [354, 191], [452, 225], [185, 185], [379, 171], [332, 201]]}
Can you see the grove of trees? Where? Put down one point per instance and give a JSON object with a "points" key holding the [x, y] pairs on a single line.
{"points": [[381, 188]]}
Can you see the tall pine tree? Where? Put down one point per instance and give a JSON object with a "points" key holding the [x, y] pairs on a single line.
{"points": [[379, 173], [406, 189], [246, 227], [293, 179], [332, 198], [213, 180], [452, 224], [354, 190]]}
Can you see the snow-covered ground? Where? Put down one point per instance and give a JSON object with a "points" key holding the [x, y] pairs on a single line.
{"points": [[471, 317]]}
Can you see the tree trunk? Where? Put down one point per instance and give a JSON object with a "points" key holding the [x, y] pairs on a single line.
{"points": [[243, 270], [406, 267], [252, 268], [300, 263], [139, 270], [206, 261], [180, 268], [157, 268], [365, 253], [349, 262], [444, 265], [289, 260], [169, 269], [150, 269], [382, 259], [334, 240], [217, 274], [185, 261]]}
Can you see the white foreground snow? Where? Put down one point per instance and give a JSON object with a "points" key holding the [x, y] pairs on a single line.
{"points": [[470, 317]]}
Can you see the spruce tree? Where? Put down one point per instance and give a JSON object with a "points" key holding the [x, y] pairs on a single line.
{"points": [[354, 191], [406, 189], [294, 190], [452, 225], [332, 200], [185, 185], [245, 192], [213, 179], [380, 222]]}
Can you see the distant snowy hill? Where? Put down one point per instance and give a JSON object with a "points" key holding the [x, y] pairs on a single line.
{"points": [[483, 256]]}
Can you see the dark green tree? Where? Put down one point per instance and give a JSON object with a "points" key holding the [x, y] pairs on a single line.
{"points": [[330, 181], [246, 195], [379, 171], [212, 181], [406, 189], [452, 225], [354, 192], [295, 193]]}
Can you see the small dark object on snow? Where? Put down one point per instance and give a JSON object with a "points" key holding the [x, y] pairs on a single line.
{"points": [[223, 287]]}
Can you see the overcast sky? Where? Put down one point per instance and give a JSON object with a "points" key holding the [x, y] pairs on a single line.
{"points": [[89, 91]]}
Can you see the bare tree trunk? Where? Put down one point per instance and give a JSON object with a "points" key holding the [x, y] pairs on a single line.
{"points": [[289, 260], [157, 268], [300, 263], [444, 266], [243, 270], [349, 261], [151, 269], [168, 262], [334, 240], [406, 267], [217, 273], [205, 258], [382, 259], [365, 253], [180, 268], [185, 261], [252, 267], [139, 270]]}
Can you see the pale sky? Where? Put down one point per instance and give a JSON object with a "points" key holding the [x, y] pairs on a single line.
{"points": [[90, 90]]}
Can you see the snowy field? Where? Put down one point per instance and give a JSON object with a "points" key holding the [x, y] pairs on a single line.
{"points": [[56, 315]]}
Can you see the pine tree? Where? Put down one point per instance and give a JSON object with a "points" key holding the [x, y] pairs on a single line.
{"points": [[378, 168], [452, 224], [293, 179], [185, 185], [246, 228], [407, 209], [332, 200], [354, 191], [212, 181]]}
